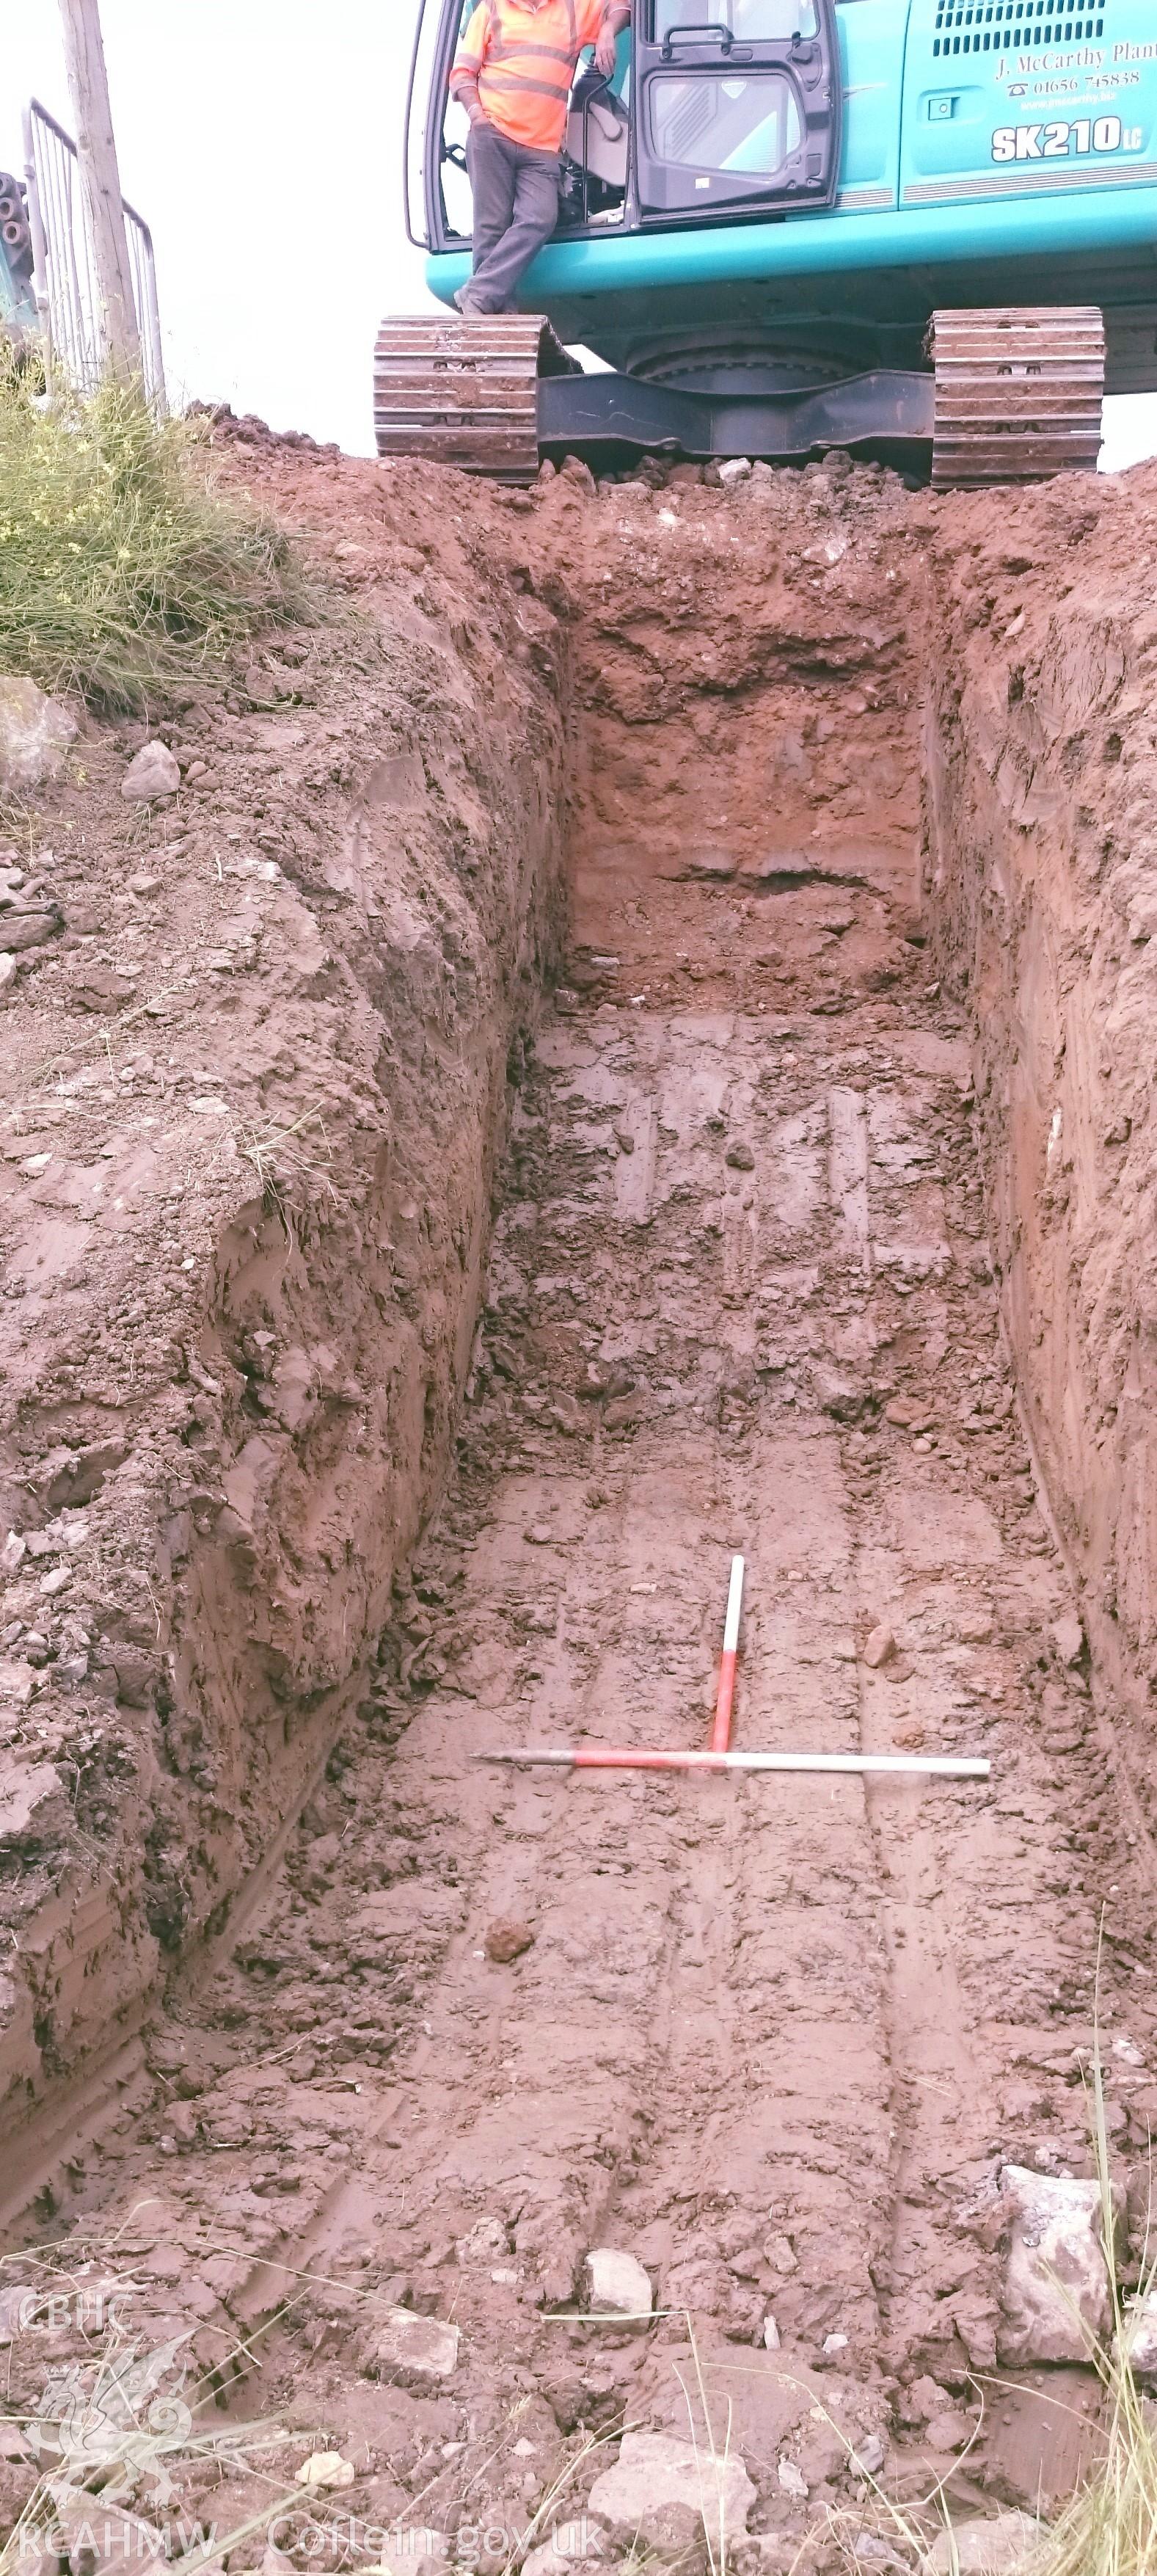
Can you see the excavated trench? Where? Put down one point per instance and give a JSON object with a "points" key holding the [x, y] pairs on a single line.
{"points": [[812, 1240]]}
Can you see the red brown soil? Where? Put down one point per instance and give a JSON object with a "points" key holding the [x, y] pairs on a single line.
{"points": [[239, 1313], [1042, 819], [743, 1289]]}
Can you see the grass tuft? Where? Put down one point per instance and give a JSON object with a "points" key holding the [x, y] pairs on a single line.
{"points": [[1110, 2527], [123, 572]]}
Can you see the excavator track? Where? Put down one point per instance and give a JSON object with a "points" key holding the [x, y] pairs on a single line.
{"points": [[1019, 394], [465, 392]]}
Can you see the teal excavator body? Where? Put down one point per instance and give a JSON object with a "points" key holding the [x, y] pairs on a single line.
{"points": [[773, 199]]}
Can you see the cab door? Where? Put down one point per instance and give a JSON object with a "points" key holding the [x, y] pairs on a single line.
{"points": [[737, 107]]}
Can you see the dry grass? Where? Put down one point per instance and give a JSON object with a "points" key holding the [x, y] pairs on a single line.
{"points": [[1110, 2528], [717, 2456], [123, 573], [130, 2433], [285, 1157]]}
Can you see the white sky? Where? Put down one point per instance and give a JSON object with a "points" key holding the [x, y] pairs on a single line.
{"points": [[262, 139]]}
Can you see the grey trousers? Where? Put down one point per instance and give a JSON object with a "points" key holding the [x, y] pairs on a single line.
{"points": [[515, 212]]}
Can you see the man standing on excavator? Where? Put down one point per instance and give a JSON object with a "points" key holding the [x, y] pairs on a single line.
{"points": [[513, 73]]}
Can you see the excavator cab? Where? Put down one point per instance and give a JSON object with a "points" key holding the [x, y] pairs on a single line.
{"points": [[714, 107], [919, 229]]}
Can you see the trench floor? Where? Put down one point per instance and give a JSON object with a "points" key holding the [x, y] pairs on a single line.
{"points": [[768, 2035]]}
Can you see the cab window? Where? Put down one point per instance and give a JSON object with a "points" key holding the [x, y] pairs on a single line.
{"points": [[750, 22]]}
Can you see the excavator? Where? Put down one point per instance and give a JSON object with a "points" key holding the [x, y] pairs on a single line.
{"points": [[924, 231]]}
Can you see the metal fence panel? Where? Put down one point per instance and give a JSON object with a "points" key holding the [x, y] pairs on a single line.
{"points": [[64, 276]]}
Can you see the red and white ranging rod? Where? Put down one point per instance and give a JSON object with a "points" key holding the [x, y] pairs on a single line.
{"points": [[720, 1756]]}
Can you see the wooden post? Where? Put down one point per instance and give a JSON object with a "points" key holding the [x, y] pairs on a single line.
{"points": [[96, 146]]}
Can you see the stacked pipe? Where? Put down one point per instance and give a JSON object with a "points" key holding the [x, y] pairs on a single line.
{"points": [[15, 237]]}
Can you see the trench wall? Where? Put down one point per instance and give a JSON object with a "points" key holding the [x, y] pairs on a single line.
{"points": [[246, 1263], [235, 1346], [744, 715], [1041, 867]]}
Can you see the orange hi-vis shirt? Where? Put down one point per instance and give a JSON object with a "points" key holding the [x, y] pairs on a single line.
{"points": [[521, 61]]}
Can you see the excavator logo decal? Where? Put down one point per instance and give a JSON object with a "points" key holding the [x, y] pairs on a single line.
{"points": [[1062, 142]]}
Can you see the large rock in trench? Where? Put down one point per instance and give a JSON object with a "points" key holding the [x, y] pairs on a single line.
{"points": [[153, 774], [1056, 2299], [1007, 2543], [654, 2470], [616, 2285], [35, 734], [1139, 2338], [418, 2352]]}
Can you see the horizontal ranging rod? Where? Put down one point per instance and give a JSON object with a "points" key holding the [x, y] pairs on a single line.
{"points": [[896, 1766], [595, 1757]]}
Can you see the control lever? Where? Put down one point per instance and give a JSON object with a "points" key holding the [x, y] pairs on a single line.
{"points": [[598, 89]]}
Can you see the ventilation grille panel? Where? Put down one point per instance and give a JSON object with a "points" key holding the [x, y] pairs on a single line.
{"points": [[996, 26]]}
